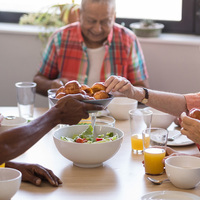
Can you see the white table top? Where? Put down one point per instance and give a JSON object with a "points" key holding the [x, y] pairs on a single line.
{"points": [[120, 178]]}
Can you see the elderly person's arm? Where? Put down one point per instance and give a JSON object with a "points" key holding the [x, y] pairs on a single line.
{"points": [[43, 83], [168, 102]]}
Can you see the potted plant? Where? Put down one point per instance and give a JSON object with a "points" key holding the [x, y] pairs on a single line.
{"points": [[51, 18]]}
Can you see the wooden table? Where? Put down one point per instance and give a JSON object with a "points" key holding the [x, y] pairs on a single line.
{"points": [[120, 178]]}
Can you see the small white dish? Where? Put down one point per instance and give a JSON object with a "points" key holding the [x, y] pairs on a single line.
{"points": [[9, 122], [160, 119], [183, 171], [169, 195], [119, 107], [10, 181], [182, 140]]}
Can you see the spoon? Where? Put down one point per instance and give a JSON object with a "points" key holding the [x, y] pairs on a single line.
{"points": [[93, 121], [173, 137], [157, 182]]}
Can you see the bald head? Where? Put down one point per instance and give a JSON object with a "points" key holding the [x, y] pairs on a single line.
{"points": [[109, 2]]}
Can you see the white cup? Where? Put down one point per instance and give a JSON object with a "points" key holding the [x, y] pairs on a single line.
{"points": [[26, 98]]}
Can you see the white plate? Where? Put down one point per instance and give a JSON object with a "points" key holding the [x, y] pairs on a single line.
{"points": [[170, 195], [182, 140]]}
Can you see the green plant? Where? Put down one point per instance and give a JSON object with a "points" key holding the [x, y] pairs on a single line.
{"points": [[51, 17]]}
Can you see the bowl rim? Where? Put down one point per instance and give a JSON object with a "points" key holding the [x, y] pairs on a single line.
{"points": [[158, 112], [177, 157], [123, 103], [11, 169], [94, 143]]}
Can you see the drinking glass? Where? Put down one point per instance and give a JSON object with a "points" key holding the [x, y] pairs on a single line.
{"points": [[26, 98], [154, 144], [51, 94], [140, 119]]}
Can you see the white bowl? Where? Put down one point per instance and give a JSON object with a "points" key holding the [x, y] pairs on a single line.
{"points": [[183, 171], [84, 154], [119, 107], [160, 119], [9, 122], [10, 181]]}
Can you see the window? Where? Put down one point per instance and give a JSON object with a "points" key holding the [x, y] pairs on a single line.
{"points": [[154, 9], [178, 16]]}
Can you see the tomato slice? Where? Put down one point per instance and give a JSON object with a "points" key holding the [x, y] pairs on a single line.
{"points": [[81, 140], [99, 139]]}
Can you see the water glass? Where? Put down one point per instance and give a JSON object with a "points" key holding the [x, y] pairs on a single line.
{"points": [[26, 98], [140, 119], [154, 145], [51, 94]]}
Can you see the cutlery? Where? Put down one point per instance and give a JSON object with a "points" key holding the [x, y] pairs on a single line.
{"points": [[10, 117], [157, 182], [172, 138]]}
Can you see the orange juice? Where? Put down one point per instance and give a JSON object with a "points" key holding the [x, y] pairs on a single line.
{"points": [[153, 160], [2, 165], [137, 142]]}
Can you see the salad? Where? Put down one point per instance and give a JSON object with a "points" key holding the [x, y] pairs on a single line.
{"points": [[88, 137]]}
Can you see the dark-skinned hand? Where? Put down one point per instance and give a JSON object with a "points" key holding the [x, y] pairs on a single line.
{"points": [[35, 174]]}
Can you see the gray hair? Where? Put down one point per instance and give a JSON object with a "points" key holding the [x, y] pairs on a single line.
{"points": [[111, 2]]}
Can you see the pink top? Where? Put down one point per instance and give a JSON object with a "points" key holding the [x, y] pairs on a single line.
{"points": [[193, 100]]}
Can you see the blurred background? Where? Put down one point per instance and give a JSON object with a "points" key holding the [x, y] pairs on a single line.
{"points": [[172, 59]]}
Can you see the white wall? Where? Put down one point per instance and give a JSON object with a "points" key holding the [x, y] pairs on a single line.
{"points": [[20, 54], [173, 64]]}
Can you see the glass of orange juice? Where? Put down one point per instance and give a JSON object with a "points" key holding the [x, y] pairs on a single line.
{"points": [[140, 119], [154, 150]]}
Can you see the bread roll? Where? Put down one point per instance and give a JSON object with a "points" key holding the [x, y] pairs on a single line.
{"points": [[101, 95], [60, 95], [87, 89], [72, 87], [60, 89], [97, 87]]}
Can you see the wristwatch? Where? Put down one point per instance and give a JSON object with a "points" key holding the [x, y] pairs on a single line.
{"points": [[146, 97]]}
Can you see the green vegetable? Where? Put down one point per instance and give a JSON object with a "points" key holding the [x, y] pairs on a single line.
{"points": [[88, 135]]}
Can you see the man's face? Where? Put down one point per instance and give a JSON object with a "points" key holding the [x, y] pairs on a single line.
{"points": [[96, 21]]}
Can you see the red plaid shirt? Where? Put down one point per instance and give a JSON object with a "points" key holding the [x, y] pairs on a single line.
{"points": [[66, 55]]}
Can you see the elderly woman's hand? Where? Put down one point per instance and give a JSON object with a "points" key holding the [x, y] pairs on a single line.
{"points": [[190, 128], [119, 84], [35, 173]]}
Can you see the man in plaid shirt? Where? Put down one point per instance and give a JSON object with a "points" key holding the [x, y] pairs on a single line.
{"points": [[91, 50]]}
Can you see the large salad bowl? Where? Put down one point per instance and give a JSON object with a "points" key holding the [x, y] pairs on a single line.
{"points": [[87, 155]]}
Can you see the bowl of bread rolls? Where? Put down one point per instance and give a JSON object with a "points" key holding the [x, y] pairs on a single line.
{"points": [[96, 93]]}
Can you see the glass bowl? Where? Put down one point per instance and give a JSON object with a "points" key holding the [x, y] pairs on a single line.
{"points": [[100, 121]]}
